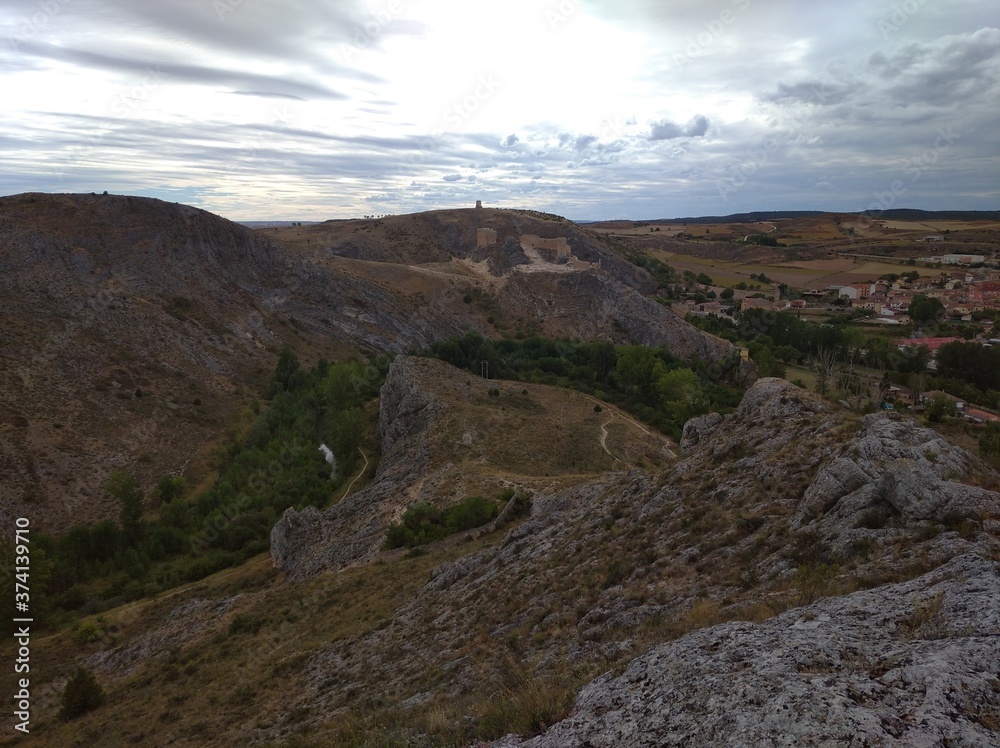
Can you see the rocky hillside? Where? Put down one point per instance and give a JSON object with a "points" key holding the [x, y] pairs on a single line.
{"points": [[797, 570], [445, 437], [134, 331], [902, 665], [131, 332], [443, 236]]}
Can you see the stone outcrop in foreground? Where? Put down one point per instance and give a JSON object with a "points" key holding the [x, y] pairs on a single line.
{"points": [[912, 664]]}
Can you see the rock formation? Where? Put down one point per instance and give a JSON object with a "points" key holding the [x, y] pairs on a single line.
{"points": [[912, 664]]}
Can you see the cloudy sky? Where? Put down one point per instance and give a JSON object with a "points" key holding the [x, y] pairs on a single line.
{"points": [[312, 109]]}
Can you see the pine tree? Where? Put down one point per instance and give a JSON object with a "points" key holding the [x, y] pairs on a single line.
{"points": [[82, 694]]}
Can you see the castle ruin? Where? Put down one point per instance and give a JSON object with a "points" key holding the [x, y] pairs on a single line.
{"points": [[560, 244]]}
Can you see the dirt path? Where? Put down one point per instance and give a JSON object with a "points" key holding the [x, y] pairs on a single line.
{"points": [[348, 491], [604, 439], [659, 437]]}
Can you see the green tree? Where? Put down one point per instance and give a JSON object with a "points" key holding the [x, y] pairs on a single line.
{"points": [[913, 359], [989, 443], [940, 408], [970, 362], [925, 310], [678, 385], [638, 368], [287, 374], [169, 487], [123, 489], [82, 694], [727, 293], [348, 433], [767, 364], [602, 358], [788, 353]]}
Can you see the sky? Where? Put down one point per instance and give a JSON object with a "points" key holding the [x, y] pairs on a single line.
{"points": [[591, 109]]}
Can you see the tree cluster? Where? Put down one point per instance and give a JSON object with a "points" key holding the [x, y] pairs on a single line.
{"points": [[649, 382]]}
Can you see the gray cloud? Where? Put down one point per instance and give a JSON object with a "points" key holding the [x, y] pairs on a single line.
{"points": [[177, 73], [809, 107], [667, 130]]}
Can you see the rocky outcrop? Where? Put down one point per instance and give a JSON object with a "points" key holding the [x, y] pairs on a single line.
{"points": [[895, 467], [902, 665], [599, 307], [631, 571], [305, 542], [698, 429]]}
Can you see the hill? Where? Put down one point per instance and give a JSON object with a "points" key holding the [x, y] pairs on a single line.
{"points": [[135, 332]]}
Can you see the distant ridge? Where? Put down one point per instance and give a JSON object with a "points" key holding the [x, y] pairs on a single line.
{"points": [[911, 214], [763, 215], [896, 214]]}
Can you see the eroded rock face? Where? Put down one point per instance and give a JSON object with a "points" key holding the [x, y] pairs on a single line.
{"points": [[603, 308], [303, 543], [910, 664]]}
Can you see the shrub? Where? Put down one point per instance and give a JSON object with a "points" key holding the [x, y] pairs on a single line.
{"points": [[242, 624], [422, 523], [89, 631], [82, 694]]}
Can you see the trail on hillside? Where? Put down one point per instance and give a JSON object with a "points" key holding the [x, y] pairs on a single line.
{"points": [[604, 440], [664, 440], [348, 491]]}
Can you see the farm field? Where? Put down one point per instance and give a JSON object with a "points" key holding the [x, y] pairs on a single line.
{"points": [[815, 252], [799, 274]]}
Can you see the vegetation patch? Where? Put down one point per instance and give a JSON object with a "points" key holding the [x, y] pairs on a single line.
{"points": [[277, 464], [650, 383], [422, 523]]}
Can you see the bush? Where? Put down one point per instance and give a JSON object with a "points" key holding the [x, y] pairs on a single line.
{"points": [[243, 624], [422, 523], [89, 631], [82, 694]]}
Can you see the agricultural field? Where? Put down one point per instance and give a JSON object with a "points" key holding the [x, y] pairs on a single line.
{"points": [[815, 252]]}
